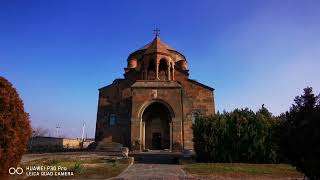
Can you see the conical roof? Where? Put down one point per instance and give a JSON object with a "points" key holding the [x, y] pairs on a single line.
{"points": [[156, 46]]}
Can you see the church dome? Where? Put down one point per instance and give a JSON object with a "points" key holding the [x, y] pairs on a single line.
{"points": [[156, 46]]}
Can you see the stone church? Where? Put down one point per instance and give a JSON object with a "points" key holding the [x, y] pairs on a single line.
{"points": [[155, 104]]}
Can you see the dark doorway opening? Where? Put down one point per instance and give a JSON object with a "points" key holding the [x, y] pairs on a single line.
{"points": [[156, 127], [156, 140]]}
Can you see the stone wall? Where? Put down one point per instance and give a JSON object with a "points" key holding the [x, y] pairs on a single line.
{"points": [[48, 144], [114, 99]]}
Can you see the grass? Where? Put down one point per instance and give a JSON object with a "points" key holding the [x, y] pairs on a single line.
{"points": [[242, 170], [84, 168]]}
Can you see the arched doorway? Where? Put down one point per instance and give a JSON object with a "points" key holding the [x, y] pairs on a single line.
{"points": [[156, 120]]}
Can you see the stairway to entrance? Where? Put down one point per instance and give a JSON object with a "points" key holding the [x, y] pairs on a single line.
{"points": [[156, 157]]}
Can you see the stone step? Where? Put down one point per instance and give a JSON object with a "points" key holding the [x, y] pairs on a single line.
{"points": [[156, 158]]}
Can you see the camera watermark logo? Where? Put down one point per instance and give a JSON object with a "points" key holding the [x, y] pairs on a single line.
{"points": [[41, 171], [17, 170]]}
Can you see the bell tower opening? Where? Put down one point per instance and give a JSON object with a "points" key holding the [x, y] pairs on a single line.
{"points": [[151, 70], [163, 70]]}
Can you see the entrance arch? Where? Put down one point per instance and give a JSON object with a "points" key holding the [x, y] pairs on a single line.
{"points": [[156, 129]]}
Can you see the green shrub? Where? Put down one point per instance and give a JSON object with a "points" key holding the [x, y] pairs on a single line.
{"points": [[238, 136], [77, 168]]}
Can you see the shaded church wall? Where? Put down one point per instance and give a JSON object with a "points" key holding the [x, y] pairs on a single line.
{"points": [[114, 100], [196, 99]]}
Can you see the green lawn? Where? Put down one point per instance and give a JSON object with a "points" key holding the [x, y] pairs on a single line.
{"points": [[96, 168], [241, 170]]}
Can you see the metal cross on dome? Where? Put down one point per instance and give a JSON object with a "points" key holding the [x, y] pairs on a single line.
{"points": [[157, 32]]}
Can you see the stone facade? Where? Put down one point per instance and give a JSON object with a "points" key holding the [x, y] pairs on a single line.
{"points": [[155, 104]]}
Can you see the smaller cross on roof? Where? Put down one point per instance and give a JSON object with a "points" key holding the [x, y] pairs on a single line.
{"points": [[157, 32]]}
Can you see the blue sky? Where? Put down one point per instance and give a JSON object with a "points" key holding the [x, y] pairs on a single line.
{"points": [[58, 53]]}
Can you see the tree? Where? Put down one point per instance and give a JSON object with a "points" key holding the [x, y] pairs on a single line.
{"points": [[301, 134], [237, 136], [14, 127], [40, 132]]}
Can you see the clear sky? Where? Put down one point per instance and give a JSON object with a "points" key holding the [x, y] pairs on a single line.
{"points": [[58, 53]]}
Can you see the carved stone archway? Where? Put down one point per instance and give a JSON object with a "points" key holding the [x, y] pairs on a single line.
{"points": [[156, 125]]}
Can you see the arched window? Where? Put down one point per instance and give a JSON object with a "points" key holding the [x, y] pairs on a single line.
{"points": [[163, 69], [151, 70], [182, 64], [112, 119], [194, 117]]}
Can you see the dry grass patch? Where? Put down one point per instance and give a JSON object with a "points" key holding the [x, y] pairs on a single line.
{"points": [[84, 168], [242, 170]]}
